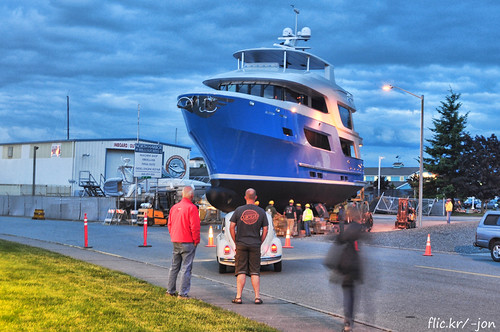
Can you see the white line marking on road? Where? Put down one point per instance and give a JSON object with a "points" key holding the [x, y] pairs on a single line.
{"points": [[457, 271]]}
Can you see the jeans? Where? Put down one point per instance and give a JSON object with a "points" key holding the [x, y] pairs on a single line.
{"points": [[182, 261], [307, 226], [448, 216]]}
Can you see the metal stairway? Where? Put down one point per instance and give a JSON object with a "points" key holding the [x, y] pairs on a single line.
{"points": [[90, 185]]}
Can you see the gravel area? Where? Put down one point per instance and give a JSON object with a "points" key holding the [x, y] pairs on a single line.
{"points": [[456, 237], [450, 238]]}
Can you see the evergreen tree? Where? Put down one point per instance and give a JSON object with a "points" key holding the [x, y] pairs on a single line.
{"points": [[479, 168], [446, 146], [384, 185]]}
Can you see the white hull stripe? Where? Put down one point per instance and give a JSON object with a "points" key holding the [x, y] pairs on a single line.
{"points": [[281, 179], [328, 169]]}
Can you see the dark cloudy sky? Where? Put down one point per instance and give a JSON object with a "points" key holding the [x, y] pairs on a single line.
{"points": [[109, 56]]}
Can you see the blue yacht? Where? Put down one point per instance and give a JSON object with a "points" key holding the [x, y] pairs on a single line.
{"points": [[279, 124]]}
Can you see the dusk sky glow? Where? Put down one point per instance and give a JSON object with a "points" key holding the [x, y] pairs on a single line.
{"points": [[110, 56]]}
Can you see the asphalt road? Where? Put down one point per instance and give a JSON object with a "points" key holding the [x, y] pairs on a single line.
{"points": [[402, 291]]}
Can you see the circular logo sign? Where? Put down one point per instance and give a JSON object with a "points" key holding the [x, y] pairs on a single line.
{"points": [[249, 217], [176, 167]]}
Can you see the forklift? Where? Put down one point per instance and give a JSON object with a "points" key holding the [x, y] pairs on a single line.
{"points": [[406, 214], [158, 210]]}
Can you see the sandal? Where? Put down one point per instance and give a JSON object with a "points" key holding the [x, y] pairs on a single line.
{"points": [[258, 300], [237, 300]]}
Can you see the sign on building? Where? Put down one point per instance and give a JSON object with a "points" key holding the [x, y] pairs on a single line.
{"points": [[148, 160]]}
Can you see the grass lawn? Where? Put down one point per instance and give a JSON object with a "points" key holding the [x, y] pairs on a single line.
{"points": [[45, 291]]}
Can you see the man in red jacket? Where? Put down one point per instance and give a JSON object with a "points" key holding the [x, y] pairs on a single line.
{"points": [[184, 229]]}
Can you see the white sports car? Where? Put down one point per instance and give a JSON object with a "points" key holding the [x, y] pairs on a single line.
{"points": [[271, 251]]}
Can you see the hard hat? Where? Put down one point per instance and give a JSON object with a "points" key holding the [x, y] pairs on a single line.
{"points": [[307, 205], [291, 201], [298, 204], [271, 202], [257, 202]]}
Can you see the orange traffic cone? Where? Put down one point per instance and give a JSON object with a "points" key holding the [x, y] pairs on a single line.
{"points": [[210, 238], [428, 246], [287, 240]]}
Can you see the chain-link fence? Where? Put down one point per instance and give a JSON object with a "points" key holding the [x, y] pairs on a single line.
{"points": [[388, 204]]}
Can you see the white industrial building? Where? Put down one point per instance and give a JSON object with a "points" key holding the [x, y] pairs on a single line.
{"points": [[61, 166]]}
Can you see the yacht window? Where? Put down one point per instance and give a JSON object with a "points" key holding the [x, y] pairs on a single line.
{"points": [[318, 103], [291, 96], [345, 115], [347, 147], [243, 88], [278, 92], [268, 91], [303, 100], [287, 131], [255, 89], [231, 87], [317, 140]]}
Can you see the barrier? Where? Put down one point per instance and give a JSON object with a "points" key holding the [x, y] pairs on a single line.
{"points": [[210, 238], [145, 245], [288, 243], [428, 246], [59, 208], [85, 232], [39, 214]]}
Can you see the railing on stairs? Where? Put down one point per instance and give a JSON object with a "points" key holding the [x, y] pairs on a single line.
{"points": [[90, 185]]}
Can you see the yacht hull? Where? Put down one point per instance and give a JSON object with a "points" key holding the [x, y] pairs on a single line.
{"points": [[250, 143]]}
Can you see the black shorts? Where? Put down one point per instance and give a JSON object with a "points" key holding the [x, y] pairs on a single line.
{"points": [[247, 260]]}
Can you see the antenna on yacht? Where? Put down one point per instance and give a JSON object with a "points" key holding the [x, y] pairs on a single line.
{"points": [[290, 38], [297, 12]]}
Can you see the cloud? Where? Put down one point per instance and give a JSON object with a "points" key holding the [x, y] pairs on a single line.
{"points": [[111, 56]]}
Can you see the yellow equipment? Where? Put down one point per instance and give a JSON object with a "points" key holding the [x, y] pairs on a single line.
{"points": [[155, 217]]}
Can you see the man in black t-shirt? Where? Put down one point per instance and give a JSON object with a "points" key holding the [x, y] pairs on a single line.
{"points": [[290, 215], [246, 223]]}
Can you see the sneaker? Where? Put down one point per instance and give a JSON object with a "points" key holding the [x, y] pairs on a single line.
{"points": [[170, 294], [183, 297]]}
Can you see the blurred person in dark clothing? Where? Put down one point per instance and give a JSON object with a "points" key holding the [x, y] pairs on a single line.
{"points": [[344, 261]]}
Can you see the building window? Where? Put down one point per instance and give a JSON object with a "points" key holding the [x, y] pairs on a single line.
{"points": [[10, 152]]}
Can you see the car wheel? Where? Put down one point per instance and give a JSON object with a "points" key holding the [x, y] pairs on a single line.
{"points": [[222, 268], [277, 267], [495, 251]]}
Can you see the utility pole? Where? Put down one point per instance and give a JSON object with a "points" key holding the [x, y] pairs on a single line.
{"points": [[67, 117], [34, 170]]}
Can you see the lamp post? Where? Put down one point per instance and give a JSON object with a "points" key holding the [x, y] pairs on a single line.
{"points": [[379, 162], [421, 164], [34, 170]]}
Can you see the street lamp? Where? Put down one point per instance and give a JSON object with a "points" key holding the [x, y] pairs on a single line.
{"points": [[34, 170], [379, 162], [421, 165]]}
